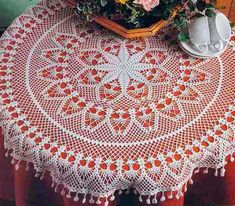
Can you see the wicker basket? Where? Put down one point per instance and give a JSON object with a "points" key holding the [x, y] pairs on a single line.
{"points": [[122, 31], [130, 33]]}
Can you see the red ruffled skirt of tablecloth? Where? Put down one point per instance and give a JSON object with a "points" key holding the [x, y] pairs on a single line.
{"points": [[16, 185]]}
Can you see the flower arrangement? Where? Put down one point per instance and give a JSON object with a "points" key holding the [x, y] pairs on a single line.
{"points": [[130, 13], [134, 14]]}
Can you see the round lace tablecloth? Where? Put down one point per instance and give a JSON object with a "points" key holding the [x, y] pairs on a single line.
{"points": [[102, 113]]}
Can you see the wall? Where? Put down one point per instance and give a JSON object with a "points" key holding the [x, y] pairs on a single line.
{"points": [[10, 9]]}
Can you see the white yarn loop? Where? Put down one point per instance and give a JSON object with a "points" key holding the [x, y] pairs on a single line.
{"points": [[68, 196], [27, 166], [163, 198], [196, 171], [13, 161], [232, 159], [222, 172], [170, 196], [63, 191], [7, 153], [76, 198], [148, 201], [154, 201], [112, 198], [56, 188], [205, 171], [190, 181], [91, 201], [84, 199], [17, 165], [120, 192], [37, 174], [42, 175], [98, 202], [106, 203], [177, 196]]}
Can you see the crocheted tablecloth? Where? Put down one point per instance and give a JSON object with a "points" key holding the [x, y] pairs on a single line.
{"points": [[102, 113]]}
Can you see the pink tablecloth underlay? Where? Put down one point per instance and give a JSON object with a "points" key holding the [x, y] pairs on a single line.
{"points": [[102, 113]]}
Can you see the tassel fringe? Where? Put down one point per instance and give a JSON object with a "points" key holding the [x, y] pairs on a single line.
{"points": [[150, 199]]}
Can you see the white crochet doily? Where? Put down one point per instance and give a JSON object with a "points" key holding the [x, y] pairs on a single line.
{"points": [[102, 113]]}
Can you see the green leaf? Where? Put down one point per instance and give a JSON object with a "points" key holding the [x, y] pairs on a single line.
{"points": [[103, 2], [183, 36], [79, 8], [85, 9], [209, 13], [89, 18], [191, 5]]}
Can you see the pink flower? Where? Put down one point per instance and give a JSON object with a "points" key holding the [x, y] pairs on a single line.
{"points": [[149, 4]]}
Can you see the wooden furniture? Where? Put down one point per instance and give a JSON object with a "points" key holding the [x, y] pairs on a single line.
{"points": [[232, 12], [229, 8], [130, 33]]}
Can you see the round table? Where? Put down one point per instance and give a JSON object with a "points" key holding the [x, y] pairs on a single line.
{"points": [[105, 114]]}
